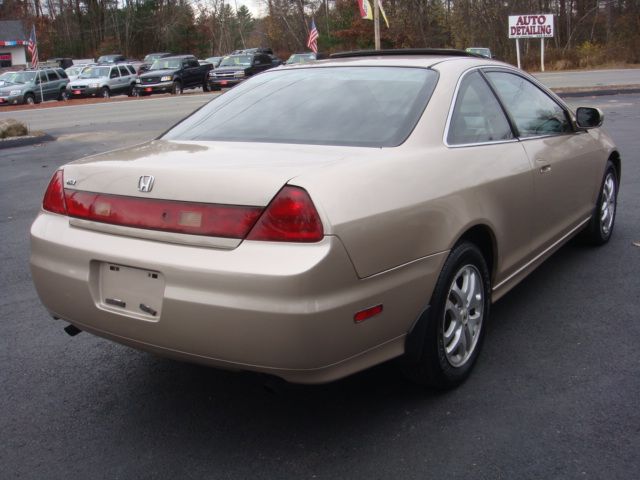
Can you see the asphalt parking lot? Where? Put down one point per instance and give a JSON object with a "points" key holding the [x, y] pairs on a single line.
{"points": [[554, 395]]}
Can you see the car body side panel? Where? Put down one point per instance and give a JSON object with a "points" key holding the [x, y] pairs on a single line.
{"points": [[567, 169], [397, 212]]}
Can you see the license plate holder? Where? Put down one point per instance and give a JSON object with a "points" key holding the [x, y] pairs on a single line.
{"points": [[131, 291]]}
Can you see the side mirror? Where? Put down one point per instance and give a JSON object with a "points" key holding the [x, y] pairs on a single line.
{"points": [[587, 117]]}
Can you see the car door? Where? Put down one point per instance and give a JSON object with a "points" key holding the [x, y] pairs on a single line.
{"points": [[564, 159], [42, 84], [115, 82], [52, 85], [195, 72], [482, 145], [125, 77]]}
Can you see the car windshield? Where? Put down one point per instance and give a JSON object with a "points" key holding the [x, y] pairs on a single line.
{"points": [[354, 106], [152, 57], [73, 71], [164, 64], [301, 58], [95, 72], [485, 52], [108, 58], [236, 60], [19, 77]]}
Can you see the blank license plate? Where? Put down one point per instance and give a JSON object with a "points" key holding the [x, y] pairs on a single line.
{"points": [[131, 291]]}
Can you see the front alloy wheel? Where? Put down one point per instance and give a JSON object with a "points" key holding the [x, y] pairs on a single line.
{"points": [[600, 229], [608, 204]]}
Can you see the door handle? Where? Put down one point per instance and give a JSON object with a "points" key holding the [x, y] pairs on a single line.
{"points": [[545, 169]]}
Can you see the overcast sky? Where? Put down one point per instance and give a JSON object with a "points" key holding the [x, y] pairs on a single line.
{"points": [[253, 5]]}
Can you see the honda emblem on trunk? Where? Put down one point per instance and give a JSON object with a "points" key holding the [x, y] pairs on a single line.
{"points": [[145, 184]]}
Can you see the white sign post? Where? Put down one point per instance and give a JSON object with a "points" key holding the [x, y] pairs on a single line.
{"points": [[531, 26]]}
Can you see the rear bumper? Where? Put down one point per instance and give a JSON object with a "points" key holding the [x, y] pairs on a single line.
{"points": [[277, 308]]}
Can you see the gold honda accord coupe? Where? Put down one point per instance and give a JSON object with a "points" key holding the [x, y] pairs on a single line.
{"points": [[320, 219]]}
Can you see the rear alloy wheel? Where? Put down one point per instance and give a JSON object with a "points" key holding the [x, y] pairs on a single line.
{"points": [[29, 99], [600, 228], [176, 89], [105, 93], [64, 95], [455, 323]]}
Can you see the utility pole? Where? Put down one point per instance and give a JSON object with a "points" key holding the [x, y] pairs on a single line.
{"points": [[376, 23]]}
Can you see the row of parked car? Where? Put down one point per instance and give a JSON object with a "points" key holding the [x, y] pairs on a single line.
{"points": [[158, 73]]}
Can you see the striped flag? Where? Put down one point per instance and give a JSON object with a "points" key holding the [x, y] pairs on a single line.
{"points": [[366, 11], [32, 46], [312, 42]]}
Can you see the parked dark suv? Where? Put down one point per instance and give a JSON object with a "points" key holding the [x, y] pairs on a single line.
{"points": [[235, 68], [173, 74]]}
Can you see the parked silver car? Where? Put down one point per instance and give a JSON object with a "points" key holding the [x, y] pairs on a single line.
{"points": [[104, 81], [33, 86]]}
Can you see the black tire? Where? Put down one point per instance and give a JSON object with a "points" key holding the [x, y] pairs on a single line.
{"points": [[64, 95], [216, 88], [436, 367], [176, 88], [600, 228], [29, 99], [132, 92], [105, 93], [205, 86]]}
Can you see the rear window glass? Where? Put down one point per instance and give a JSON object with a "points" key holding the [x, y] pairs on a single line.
{"points": [[353, 106]]}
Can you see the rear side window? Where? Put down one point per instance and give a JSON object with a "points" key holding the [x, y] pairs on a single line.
{"points": [[477, 116], [356, 106], [123, 71], [533, 111], [131, 69], [51, 76], [61, 73]]}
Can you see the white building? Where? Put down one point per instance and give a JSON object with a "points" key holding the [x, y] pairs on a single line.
{"points": [[13, 44]]}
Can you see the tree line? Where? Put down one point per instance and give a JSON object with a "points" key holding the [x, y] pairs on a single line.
{"points": [[587, 32]]}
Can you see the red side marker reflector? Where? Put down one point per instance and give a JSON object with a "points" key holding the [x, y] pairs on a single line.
{"points": [[363, 315]]}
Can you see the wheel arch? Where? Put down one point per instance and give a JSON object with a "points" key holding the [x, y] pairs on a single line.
{"points": [[614, 157], [482, 236]]}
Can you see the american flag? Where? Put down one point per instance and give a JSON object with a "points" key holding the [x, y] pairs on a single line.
{"points": [[33, 48], [312, 43]]}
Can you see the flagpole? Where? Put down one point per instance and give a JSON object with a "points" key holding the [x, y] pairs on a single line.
{"points": [[376, 24]]}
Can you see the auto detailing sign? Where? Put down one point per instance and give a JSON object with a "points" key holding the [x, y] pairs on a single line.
{"points": [[530, 26]]}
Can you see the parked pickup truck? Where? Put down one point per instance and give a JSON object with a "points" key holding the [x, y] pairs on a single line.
{"points": [[236, 68], [173, 74]]}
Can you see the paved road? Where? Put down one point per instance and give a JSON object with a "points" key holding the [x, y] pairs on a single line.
{"points": [[554, 395], [590, 78]]}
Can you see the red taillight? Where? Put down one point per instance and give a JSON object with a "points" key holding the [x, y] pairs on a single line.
{"points": [[363, 315], [54, 196], [290, 217], [229, 221]]}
